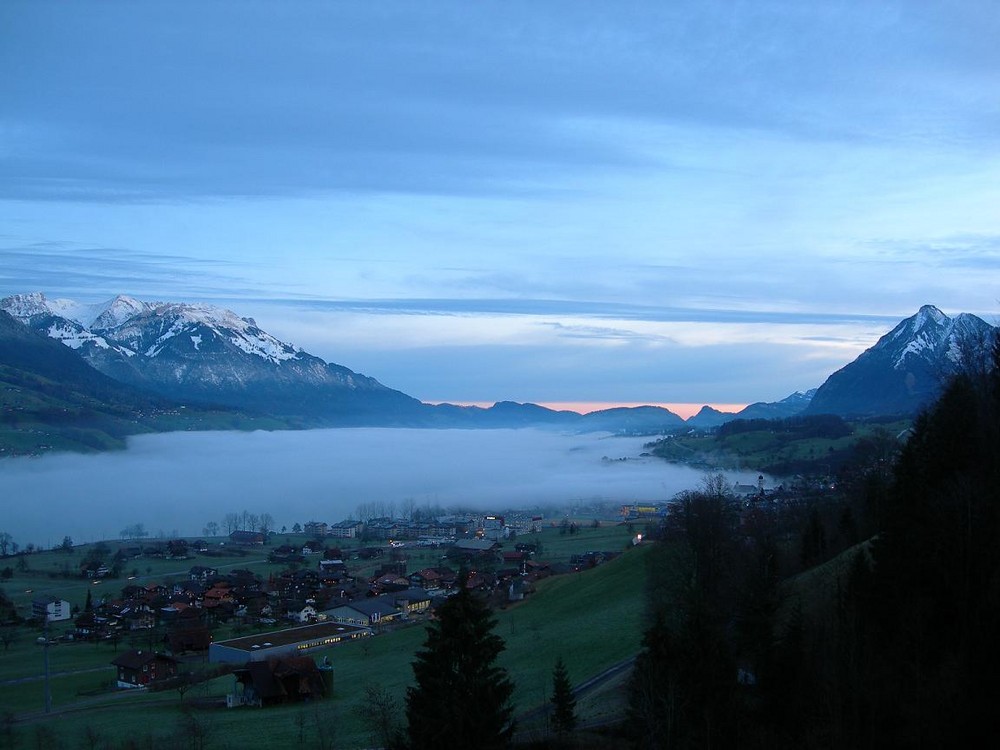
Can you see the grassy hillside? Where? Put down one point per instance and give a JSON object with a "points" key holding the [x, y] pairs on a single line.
{"points": [[765, 446]]}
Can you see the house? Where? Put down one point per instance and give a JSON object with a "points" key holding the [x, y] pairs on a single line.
{"points": [[477, 545], [140, 668], [276, 681], [202, 574], [184, 639], [247, 538], [51, 608], [302, 612], [494, 528]]}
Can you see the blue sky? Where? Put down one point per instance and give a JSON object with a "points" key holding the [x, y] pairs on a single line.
{"points": [[628, 202]]}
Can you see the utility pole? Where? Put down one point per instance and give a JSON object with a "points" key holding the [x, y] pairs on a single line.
{"points": [[40, 608]]}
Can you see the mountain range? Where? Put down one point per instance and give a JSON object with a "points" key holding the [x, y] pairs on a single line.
{"points": [[129, 354]]}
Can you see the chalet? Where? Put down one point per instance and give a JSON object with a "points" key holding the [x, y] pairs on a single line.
{"points": [[477, 545], [243, 579], [202, 574], [286, 554], [301, 612], [472, 550], [91, 569], [247, 538], [427, 578], [141, 668], [138, 616], [516, 590], [187, 639], [333, 571], [278, 681], [312, 547]]}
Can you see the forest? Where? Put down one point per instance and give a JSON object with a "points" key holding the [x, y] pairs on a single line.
{"points": [[758, 642]]}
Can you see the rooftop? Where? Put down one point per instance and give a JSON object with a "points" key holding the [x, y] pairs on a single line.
{"points": [[292, 635]]}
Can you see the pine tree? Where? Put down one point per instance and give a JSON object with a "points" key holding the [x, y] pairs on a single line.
{"points": [[563, 702], [461, 698]]}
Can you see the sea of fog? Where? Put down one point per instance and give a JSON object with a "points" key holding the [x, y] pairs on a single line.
{"points": [[175, 483]]}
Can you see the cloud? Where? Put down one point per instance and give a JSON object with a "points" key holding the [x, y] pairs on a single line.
{"points": [[88, 274], [435, 98], [323, 475]]}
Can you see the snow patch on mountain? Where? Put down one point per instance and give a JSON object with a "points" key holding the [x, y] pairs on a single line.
{"points": [[75, 337]]}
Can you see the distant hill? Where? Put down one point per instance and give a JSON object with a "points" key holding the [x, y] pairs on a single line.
{"points": [[709, 418], [50, 398], [907, 368]]}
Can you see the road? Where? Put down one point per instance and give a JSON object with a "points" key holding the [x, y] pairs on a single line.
{"points": [[584, 688]]}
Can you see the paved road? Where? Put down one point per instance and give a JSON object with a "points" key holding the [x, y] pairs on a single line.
{"points": [[581, 690], [37, 677]]}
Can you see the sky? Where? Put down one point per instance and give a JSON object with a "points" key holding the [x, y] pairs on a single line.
{"points": [[584, 203]]}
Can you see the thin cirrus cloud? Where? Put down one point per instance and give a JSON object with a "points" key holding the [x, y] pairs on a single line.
{"points": [[443, 100]]}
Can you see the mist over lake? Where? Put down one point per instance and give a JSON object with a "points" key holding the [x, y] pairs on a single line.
{"points": [[175, 483]]}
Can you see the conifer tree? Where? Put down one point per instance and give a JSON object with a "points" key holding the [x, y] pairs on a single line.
{"points": [[461, 698], [563, 702]]}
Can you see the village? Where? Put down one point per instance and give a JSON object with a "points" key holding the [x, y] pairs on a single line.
{"points": [[304, 593]]}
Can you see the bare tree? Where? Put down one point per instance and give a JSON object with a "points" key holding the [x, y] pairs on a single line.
{"points": [[231, 522], [9, 634], [211, 529], [408, 506], [5, 542], [381, 713], [266, 523]]}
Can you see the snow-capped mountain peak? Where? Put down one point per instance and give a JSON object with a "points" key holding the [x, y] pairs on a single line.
{"points": [[117, 312], [906, 368]]}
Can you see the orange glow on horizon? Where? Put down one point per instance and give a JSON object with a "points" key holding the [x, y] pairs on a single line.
{"points": [[683, 410]]}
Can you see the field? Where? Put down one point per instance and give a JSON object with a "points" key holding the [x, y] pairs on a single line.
{"points": [[593, 619]]}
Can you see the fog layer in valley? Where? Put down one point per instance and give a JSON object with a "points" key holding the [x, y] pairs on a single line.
{"points": [[178, 482]]}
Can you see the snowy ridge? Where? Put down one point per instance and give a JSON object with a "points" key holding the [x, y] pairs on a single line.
{"points": [[125, 324], [930, 334], [117, 312], [242, 333]]}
